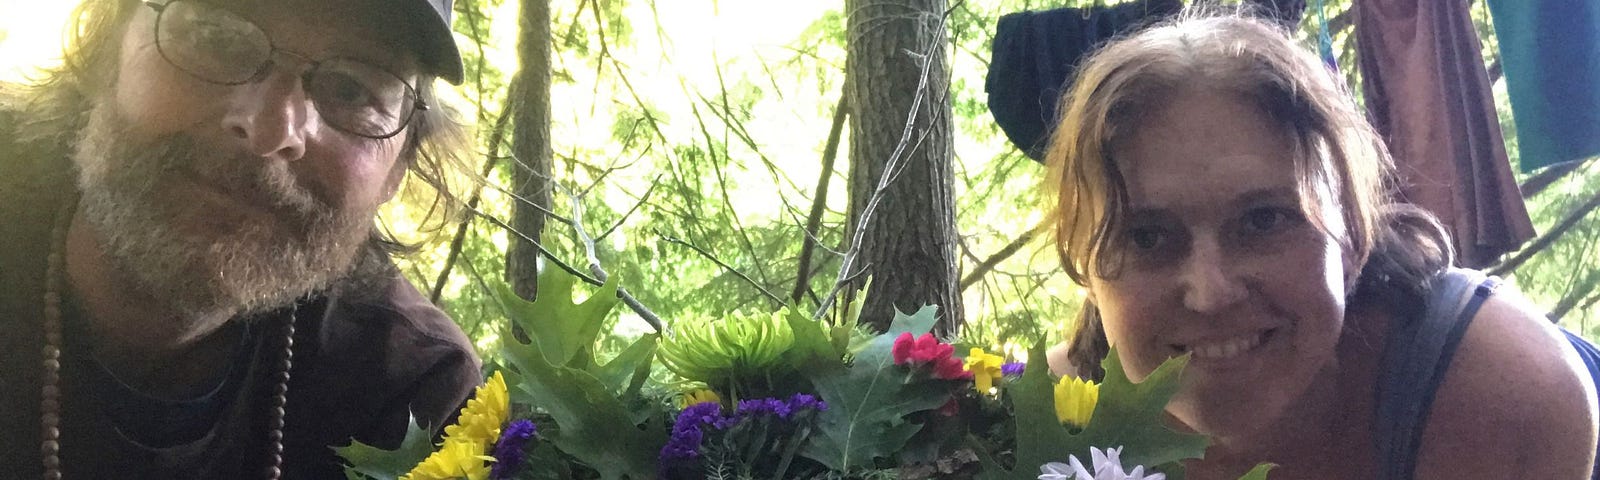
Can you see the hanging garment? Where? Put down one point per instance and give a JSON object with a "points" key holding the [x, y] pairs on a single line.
{"points": [[1035, 54], [1428, 94], [1550, 53]]}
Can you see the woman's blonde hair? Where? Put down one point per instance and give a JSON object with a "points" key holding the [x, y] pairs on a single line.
{"points": [[1335, 152], [1395, 248]]}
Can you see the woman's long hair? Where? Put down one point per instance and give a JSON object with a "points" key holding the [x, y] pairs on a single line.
{"points": [[1335, 153]]}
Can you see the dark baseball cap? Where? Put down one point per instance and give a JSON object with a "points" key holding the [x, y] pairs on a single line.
{"points": [[437, 48]]}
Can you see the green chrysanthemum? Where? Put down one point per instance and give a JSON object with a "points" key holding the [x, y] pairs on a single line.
{"points": [[719, 351]]}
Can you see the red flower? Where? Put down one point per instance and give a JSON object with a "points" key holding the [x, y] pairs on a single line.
{"points": [[920, 350], [902, 348], [950, 368], [927, 350]]}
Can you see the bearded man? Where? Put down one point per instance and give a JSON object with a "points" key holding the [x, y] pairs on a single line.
{"points": [[191, 284]]}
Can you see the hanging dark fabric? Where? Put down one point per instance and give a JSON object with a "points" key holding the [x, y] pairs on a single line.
{"points": [[1428, 94], [1034, 56], [1550, 52]]}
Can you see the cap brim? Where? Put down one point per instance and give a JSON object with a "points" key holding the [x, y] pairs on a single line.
{"points": [[437, 49]]}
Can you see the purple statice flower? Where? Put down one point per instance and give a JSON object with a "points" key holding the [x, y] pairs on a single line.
{"points": [[686, 433], [1012, 369], [801, 401], [508, 452]]}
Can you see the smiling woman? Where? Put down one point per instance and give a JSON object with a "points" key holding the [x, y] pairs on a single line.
{"points": [[1221, 196]]}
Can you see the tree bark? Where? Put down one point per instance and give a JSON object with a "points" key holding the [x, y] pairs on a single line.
{"points": [[530, 145], [901, 160]]}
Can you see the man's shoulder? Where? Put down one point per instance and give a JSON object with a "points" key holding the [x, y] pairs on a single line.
{"points": [[388, 306]]}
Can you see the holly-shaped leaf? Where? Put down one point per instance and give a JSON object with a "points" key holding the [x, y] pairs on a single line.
{"points": [[369, 462], [1128, 415], [868, 401]]}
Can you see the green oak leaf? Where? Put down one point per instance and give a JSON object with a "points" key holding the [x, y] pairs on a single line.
{"points": [[594, 425], [1129, 415], [868, 401], [557, 373], [369, 462], [813, 347], [559, 327]]}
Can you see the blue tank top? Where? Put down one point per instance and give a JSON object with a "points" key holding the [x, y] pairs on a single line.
{"points": [[1416, 357]]}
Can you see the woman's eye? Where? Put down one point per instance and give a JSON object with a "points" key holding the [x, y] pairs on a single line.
{"points": [[1267, 220], [1145, 238]]}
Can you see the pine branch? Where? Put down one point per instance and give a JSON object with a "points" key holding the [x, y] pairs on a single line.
{"points": [[1549, 238], [670, 239], [988, 264]]}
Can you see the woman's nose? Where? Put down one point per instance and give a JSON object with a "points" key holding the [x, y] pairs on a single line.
{"points": [[1210, 279]]}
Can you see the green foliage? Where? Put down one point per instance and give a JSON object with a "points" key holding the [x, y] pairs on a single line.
{"points": [[868, 403], [1258, 473], [557, 372], [1128, 415], [379, 464]]}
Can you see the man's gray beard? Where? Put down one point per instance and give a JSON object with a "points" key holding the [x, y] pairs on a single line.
{"points": [[238, 270]]}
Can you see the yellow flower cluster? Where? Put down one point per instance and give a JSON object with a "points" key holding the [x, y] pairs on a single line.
{"points": [[985, 368], [698, 396], [1075, 400], [463, 453]]}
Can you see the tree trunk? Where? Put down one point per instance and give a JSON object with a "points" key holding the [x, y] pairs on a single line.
{"points": [[530, 145], [898, 73]]}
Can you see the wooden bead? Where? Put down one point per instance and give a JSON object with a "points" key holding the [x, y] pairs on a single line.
{"points": [[51, 393], [51, 434], [50, 448], [52, 462], [50, 419], [52, 475], [52, 364], [52, 353]]}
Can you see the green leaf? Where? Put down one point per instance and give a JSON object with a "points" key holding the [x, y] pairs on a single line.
{"points": [[595, 427], [812, 347], [1128, 415], [868, 402], [627, 364], [559, 327], [369, 462], [1258, 473], [556, 373]]}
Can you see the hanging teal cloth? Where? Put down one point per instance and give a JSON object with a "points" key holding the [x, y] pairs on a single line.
{"points": [[1550, 50]]}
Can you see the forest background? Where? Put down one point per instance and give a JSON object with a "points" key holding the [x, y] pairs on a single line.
{"points": [[700, 154]]}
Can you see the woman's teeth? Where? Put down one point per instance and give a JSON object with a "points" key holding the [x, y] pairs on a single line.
{"points": [[1226, 348]]}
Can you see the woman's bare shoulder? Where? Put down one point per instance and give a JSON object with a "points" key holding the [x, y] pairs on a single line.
{"points": [[1516, 402]]}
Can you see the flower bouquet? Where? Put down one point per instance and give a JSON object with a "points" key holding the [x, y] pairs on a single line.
{"points": [[779, 396]]}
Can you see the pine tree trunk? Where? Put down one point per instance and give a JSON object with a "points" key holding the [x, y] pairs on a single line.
{"points": [[530, 143], [898, 62]]}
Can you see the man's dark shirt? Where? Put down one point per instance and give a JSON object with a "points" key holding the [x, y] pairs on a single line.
{"points": [[363, 364]]}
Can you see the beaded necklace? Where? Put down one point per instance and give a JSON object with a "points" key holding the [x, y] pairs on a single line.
{"points": [[50, 392]]}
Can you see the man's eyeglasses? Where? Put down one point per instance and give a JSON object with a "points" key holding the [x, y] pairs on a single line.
{"points": [[219, 46]]}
